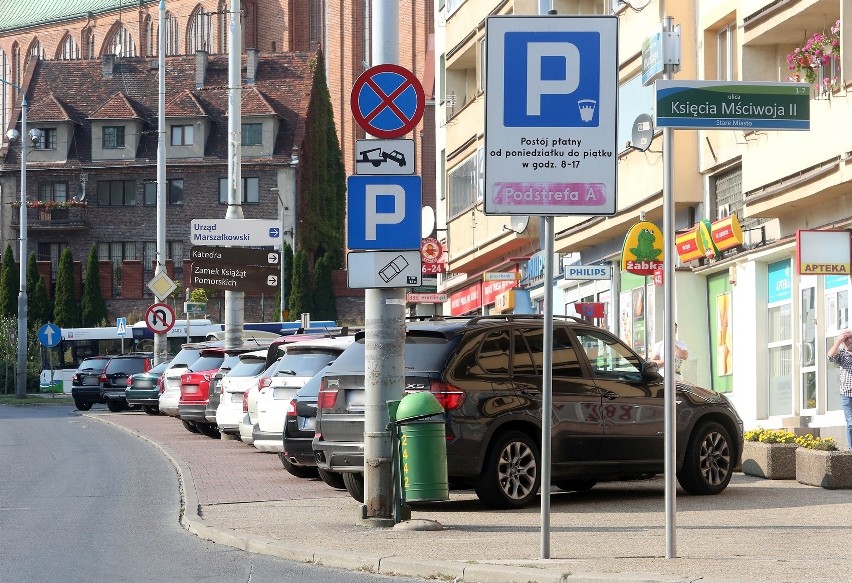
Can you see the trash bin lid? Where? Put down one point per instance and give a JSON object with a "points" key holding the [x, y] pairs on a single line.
{"points": [[418, 404]]}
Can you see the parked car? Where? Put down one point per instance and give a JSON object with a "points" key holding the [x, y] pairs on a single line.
{"points": [[608, 409], [232, 357], [86, 382], [170, 395], [116, 376], [300, 362], [299, 422], [194, 391], [144, 389], [233, 385]]}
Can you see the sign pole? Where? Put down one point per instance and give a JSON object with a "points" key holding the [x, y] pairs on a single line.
{"points": [[160, 341]]}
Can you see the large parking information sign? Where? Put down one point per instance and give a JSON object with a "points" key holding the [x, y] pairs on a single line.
{"points": [[551, 115]]}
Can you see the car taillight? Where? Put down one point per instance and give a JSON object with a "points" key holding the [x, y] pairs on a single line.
{"points": [[449, 396], [245, 402], [75, 378], [102, 378], [291, 408], [264, 382], [160, 385], [129, 381], [147, 365], [327, 397]]}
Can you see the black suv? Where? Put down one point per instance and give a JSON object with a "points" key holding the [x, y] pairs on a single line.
{"points": [[114, 379], [608, 409], [86, 382]]}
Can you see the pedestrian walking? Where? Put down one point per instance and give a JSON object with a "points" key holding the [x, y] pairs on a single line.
{"points": [[840, 352], [681, 353]]}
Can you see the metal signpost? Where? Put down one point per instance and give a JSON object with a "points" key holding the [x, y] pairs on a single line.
{"points": [[383, 216], [121, 330], [49, 336], [550, 144]]}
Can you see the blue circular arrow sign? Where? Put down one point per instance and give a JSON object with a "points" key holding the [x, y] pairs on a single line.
{"points": [[49, 335], [387, 101]]}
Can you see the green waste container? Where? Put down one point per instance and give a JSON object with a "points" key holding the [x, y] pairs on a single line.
{"points": [[422, 448]]}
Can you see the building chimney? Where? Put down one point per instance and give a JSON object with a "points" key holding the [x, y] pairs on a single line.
{"points": [[108, 66], [200, 68], [251, 65]]}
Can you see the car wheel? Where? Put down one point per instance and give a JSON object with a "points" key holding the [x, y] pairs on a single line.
{"points": [[707, 467], [297, 470], [151, 410], [354, 483], [82, 405], [575, 485], [209, 430], [510, 476], [189, 426], [115, 406], [333, 479]]}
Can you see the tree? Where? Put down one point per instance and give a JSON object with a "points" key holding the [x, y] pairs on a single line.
{"points": [[9, 285], [300, 298], [38, 308], [66, 311], [287, 278], [324, 176], [325, 307], [93, 306]]}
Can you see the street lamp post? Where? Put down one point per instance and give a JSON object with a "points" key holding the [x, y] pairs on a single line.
{"points": [[21, 384]]}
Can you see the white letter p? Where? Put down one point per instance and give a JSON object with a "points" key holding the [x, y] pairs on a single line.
{"points": [[536, 86], [372, 215]]}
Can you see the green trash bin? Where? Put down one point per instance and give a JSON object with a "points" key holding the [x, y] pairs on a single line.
{"points": [[422, 448]]}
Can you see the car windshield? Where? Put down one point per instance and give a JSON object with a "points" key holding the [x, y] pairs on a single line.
{"points": [[160, 368], [311, 388], [230, 362], [303, 364], [185, 357], [125, 365], [248, 367], [97, 364], [207, 362]]}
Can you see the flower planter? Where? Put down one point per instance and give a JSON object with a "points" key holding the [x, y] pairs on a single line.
{"points": [[829, 469], [775, 461]]}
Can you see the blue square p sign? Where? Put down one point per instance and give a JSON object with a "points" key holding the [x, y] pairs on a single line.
{"points": [[551, 79], [383, 212]]}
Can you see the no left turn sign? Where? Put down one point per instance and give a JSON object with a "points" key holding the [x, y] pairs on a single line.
{"points": [[160, 318]]}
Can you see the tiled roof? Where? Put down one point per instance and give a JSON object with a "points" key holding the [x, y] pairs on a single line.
{"points": [[185, 105], [116, 107], [49, 109], [17, 14], [79, 90]]}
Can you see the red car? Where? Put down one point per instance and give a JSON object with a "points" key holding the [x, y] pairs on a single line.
{"points": [[195, 391]]}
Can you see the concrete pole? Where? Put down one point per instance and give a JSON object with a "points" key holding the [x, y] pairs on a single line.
{"points": [[234, 300], [161, 347], [21, 390], [384, 320]]}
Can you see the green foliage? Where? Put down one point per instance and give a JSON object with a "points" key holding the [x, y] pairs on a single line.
{"points": [[199, 295], [66, 310], [93, 306], [39, 310], [9, 284], [769, 435], [324, 176], [9, 356], [325, 307], [810, 442], [300, 298]]}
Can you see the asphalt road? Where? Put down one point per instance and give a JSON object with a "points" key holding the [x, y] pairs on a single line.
{"points": [[83, 501]]}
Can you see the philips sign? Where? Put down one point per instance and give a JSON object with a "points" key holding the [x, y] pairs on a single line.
{"points": [[587, 272]]}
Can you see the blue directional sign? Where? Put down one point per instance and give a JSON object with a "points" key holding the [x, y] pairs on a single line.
{"points": [[121, 326], [49, 335], [383, 212]]}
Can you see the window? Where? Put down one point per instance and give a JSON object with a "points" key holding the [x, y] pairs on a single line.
{"points": [[315, 15], [462, 186], [116, 193], [725, 46], [609, 357], [251, 190], [182, 135], [47, 140], [780, 337], [68, 49], [252, 134], [114, 137], [174, 189], [494, 353], [200, 31], [117, 252], [55, 191], [51, 252], [172, 38]]}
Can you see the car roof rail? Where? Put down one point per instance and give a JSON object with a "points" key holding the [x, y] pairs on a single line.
{"points": [[521, 317]]}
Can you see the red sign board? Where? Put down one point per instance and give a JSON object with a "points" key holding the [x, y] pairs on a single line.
{"points": [[465, 300], [432, 256], [387, 101], [160, 318]]}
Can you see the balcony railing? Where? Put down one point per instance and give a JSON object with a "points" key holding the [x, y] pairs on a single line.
{"points": [[71, 218]]}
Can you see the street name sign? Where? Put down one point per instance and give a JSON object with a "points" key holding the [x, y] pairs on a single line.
{"points": [[241, 278], [384, 269], [236, 232], [383, 213], [384, 157], [733, 105], [235, 256], [551, 105]]}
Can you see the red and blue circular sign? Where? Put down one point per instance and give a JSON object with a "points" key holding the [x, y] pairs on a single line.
{"points": [[387, 101]]}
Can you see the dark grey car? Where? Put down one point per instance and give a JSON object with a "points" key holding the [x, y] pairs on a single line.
{"points": [[608, 409]]}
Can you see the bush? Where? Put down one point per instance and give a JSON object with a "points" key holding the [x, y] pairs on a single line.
{"points": [[770, 435], [810, 442]]}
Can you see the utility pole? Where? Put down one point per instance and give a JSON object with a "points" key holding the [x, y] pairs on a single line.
{"points": [[234, 300], [384, 320], [160, 340]]}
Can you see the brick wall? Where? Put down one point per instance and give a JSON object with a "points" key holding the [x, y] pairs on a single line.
{"points": [[131, 280], [45, 269], [105, 278]]}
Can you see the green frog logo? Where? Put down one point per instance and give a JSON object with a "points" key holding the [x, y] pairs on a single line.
{"points": [[645, 250]]}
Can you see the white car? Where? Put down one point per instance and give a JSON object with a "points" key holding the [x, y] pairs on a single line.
{"points": [[170, 396], [233, 386], [268, 406]]}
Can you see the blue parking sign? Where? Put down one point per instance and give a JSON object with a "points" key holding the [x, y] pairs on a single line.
{"points": [[383, 212], [546, 77]]}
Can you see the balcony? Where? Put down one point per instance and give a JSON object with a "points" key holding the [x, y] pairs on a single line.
{"points": [[73, 218]]}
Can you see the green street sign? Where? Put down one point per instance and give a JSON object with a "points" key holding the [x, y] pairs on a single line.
{"points": [[733, 105]]}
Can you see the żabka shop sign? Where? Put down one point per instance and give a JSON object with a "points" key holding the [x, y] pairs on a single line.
{"points": [[642, 253], [823, 252]]}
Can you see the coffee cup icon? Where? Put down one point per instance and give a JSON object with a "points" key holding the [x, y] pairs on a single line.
{"points": [[587, 109]]}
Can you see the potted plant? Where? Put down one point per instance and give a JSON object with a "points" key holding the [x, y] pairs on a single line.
{"points": [[769, 453], [820, 463], [817, 60]]}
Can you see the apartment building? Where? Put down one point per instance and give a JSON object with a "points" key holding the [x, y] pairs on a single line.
{"points": [[757, 330]]}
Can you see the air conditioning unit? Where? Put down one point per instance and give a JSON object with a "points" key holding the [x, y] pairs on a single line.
{"points": [[722, 211]]}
